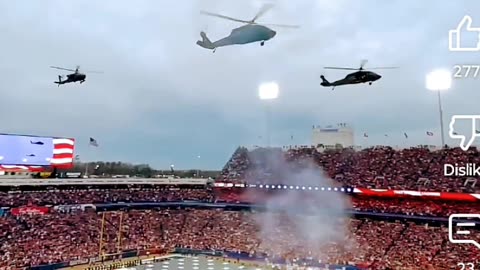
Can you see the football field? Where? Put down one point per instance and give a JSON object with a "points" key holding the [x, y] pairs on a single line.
{"points": [[194, 263]]}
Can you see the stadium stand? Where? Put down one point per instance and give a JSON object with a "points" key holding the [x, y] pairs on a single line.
{"points": [[105, 195], [55, 237], [377, 167]]}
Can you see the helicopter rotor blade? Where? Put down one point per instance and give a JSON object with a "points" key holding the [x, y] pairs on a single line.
{"points": [[63, 68], [342, 68], [91, 71], [262, 11], [362, 63], [384, 68], [279, 25], [223, 17]]}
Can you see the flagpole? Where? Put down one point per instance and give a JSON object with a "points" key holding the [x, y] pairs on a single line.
{"points": [[441, 119], [86, 169], [86, 166]]}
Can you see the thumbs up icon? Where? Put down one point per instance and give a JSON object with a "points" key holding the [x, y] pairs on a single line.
{"points": [[464, 28]]}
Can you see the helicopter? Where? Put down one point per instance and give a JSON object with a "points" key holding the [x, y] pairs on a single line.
{"points": [[74, 77], [360, 76], [248, 33]]}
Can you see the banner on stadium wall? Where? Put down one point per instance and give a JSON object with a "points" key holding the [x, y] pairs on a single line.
{"points": [[78, 262], [94, 260], [50, 267], [186, 181], [29, 210], [69, 208], [70, 175]]}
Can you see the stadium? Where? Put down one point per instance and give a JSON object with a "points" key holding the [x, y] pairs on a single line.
{"points": [[323, 206], [239, 135]]}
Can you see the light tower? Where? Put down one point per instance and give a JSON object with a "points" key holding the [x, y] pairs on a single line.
{"points": [[268, 92], [439, 80]]}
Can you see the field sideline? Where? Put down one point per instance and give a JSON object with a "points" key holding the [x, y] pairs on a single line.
{"points": [[231, 261]]}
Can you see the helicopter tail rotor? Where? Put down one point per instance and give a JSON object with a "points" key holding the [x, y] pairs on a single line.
{"points": [[59, 80]]}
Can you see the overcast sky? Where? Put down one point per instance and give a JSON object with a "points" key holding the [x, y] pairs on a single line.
{"points": [[164, 100]]}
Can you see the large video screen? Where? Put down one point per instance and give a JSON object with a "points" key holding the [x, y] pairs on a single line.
{"points": [[33, 150]]}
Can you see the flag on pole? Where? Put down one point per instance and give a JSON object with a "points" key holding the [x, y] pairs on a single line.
{"points": [[365, 135], [405, 134], [93, 142], [429, 133]]}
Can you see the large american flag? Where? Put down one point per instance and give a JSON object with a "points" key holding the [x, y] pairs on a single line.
{"points": [[63, 156], [62, 152]]}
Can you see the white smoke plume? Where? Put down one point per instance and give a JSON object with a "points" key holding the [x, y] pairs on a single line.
{"points": [[311, 221]]}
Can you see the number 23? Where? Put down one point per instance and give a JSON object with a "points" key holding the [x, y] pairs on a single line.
{"points": [[467, 266]]}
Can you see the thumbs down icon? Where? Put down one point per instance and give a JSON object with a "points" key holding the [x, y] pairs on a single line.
{"points": [[466, 140]]}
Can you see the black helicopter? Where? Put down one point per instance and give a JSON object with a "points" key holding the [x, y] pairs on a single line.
{"points": [[360, 76], [74, 77]]}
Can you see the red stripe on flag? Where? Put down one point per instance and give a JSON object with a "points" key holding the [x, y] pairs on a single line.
{"points": [[65, 155], [63, 146]]}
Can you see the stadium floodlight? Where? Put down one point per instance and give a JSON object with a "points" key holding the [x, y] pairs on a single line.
{"points": [[268, 90], [439, 80]]}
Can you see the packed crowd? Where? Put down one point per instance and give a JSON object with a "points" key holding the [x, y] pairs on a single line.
{"points": [[87, 196], [377, 167], [33, 240], [418, 207]]}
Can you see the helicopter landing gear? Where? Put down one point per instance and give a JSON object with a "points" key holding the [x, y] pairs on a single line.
{"points": [[262, 43]]}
